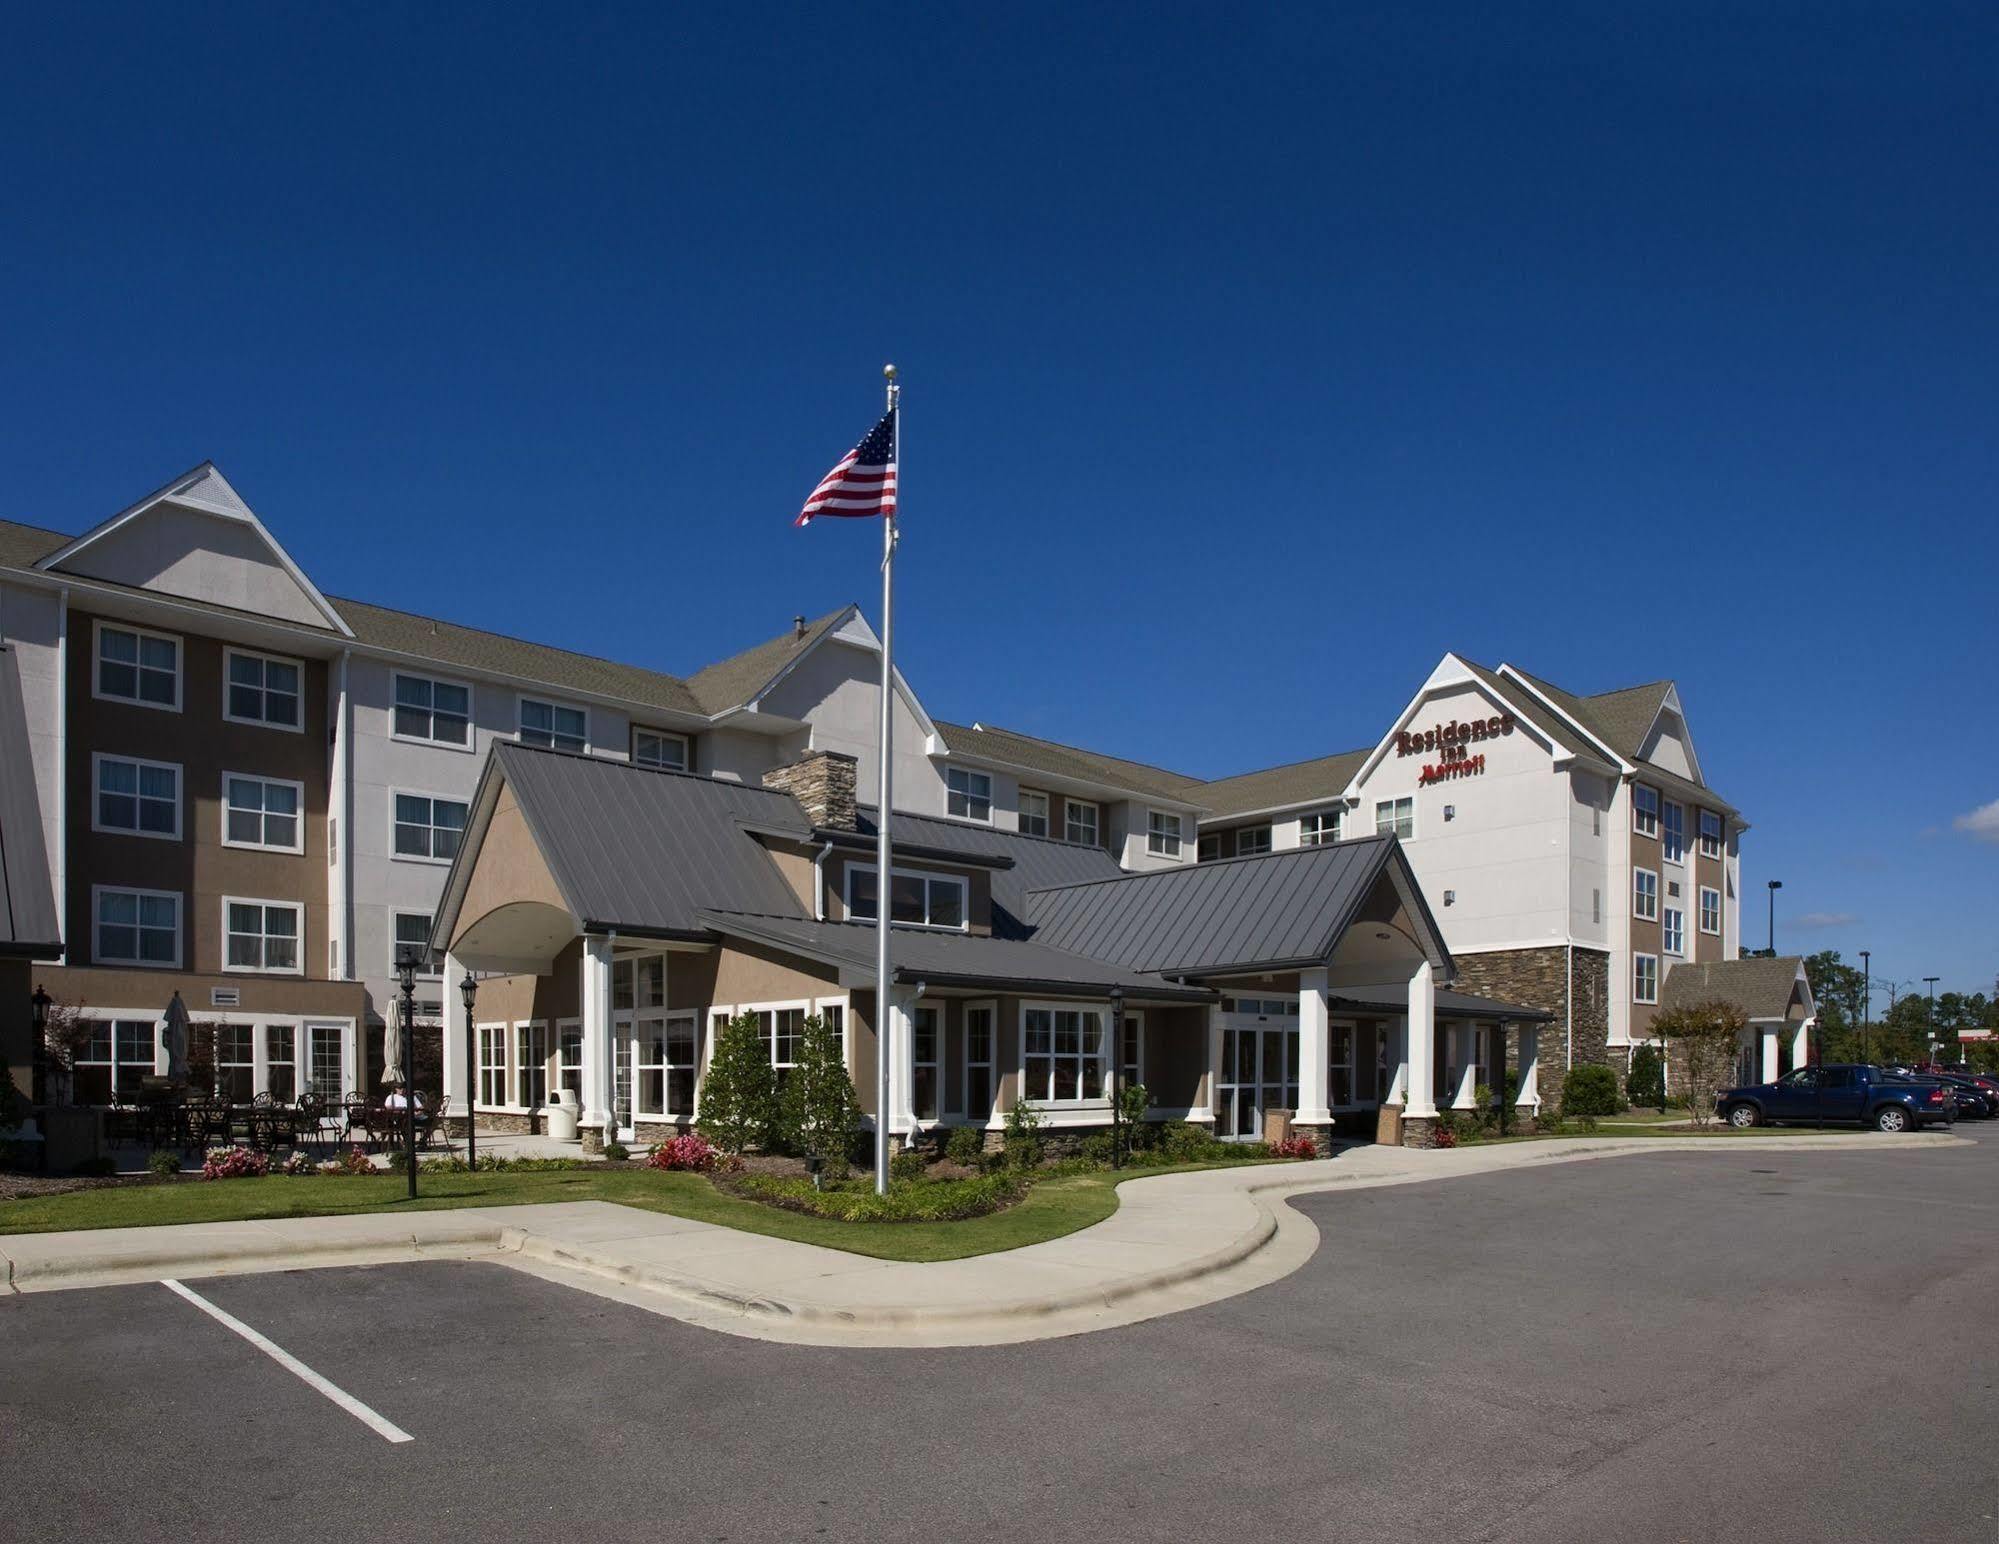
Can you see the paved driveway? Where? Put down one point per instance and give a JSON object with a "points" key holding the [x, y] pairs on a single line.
{"points": [[1635, 1349]]}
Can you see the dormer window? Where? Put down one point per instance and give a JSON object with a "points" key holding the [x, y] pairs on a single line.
{"points": [[1033, 813], [1079, 821], [968, 795], [1162, 834], [656, 748], [915, 899]]}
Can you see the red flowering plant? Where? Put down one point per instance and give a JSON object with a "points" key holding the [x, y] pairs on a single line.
{"points": [[690, 1150], [1294, 1147], [235, 1163]]}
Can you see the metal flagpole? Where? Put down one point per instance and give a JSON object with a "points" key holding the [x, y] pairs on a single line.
{"points": [[885, 1047]]}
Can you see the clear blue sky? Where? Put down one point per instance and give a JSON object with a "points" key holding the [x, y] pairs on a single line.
{"points": [[1253, 359]]}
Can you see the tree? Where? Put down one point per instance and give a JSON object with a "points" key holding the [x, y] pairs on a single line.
{"points": [[1709, 1033], [1646, 1085], [819, 1109], [739, 1096]]}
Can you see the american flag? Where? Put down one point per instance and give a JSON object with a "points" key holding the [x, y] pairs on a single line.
{"points": [[862, 483]]}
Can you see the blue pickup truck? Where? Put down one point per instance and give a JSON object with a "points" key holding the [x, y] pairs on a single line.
{"points": [[1839, 1095]]}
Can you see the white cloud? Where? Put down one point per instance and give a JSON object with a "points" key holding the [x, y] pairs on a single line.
{"points": [[1825, 919], [1982, 824]]}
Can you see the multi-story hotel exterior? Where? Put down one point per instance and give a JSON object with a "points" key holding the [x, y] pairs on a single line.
{"points": [[256, 795]]}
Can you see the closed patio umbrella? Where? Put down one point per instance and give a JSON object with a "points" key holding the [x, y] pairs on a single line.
{"points": [[173, 1035], [395, 1047]]}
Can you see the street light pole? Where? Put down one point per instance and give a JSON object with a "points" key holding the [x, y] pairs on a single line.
{"points": [[467, 990], [1866, 997], [406, 970], [38, 1088], [1775, 886]]}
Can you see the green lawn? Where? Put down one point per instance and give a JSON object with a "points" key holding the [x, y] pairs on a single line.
{"points": [[1057, 1205]]}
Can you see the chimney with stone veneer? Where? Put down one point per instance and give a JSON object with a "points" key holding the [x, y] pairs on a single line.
{"points": [[824, 783]]}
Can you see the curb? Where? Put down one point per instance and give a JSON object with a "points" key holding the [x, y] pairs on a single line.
{"points": [[151, 1265]]}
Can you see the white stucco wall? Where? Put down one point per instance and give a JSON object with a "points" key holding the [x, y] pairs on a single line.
{"points": [[836, 689], [204, 557], [1591, 894]]}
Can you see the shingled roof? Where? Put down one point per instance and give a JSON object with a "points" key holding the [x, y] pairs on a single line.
{"points": [[1054, 759], [1320, 780], [1762, 988]]}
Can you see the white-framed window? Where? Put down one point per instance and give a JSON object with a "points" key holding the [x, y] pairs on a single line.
{"points": [[433, 712], [1644, 809], [326, 1066], [1673, 833], [265, 689], [1395, 817], [262, 812], [1645, 978], [1644, 894], [235, 1063], [569, 1056], [1710, 910], [926, 1094], [531, 1064], [135, 927], [262, 937], [1162, 833], [137, 666], [1033, 813], [118, 1057], [669, 1054], [1711, 834], [657, 748], [1081, 821], [980, 1040], [1252, 841], [1209, 847], [137, 798], [493, 1064], [1673, 931], [967, 794], [1131, 1048], [1339, 1065], [1062, 1053], [409, 933], [1321, 829], [280, 1062], [554, 725], [915, 899], [428, 828]]}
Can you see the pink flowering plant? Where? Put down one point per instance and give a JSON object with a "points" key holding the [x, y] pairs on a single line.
{"points": [[690, 1150], [1294, 1147], [353, 1161], [235, 1163], [297, 1162]]}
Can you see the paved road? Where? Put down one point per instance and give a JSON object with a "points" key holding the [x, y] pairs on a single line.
{"points": [[1668, 1348]]}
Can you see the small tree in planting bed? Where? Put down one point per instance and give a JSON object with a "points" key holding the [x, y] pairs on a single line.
{"points": [[1710, 1033], [1647, 1083], [819, 1109], [739, 1099]]}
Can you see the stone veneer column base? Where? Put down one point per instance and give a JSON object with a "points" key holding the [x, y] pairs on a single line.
{"points": [[593, 1141], [1419, 1131], [1321, 1137]]}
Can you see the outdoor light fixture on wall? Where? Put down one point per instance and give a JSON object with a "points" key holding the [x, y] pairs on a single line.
{"points": [[1450, 812], [1450, 897]]}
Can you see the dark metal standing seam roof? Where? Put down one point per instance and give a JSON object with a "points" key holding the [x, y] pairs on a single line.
{"points": [[1039, 862], [28, 921], [644, 850], [1455, 1005], [1278, 909]]}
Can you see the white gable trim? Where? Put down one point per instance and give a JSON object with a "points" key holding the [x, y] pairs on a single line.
{"points": [[1541, 697], [1671, 703], [176, 493]]}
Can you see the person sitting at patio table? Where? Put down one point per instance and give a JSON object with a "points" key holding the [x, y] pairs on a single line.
{"points": [[397, 1100]]}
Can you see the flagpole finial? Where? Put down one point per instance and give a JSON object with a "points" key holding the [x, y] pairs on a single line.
{"points": [[888, 372]]}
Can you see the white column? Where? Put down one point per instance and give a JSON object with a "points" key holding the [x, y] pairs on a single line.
{"points": [[1397, 1031], [1422, 1051], [1530, 1067], [457, 1100], [1801, 1044], [1215, 1061], [1769, 1039], [1314, 1035], [1465, 1095], [598, 1041]]}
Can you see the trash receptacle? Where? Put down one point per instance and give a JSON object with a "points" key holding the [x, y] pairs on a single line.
{"points": [[562, 1115]]}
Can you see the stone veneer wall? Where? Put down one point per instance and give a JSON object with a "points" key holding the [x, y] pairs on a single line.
{"points": [[1589, 988], [824, 785], [1533, 978]]}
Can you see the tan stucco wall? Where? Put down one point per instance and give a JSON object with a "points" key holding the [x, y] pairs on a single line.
{"points": [[509, 868], [147, 992]]}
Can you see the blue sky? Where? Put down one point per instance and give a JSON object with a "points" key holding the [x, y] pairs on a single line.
{"points": [[1254, 358]]}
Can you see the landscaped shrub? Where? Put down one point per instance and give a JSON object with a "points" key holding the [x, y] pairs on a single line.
{"points": [[966, 1147], [235, 1163], [1294, 1147], [690, 1151], [163, 1163], [1447, 1131], [818, 1109], [945, 1200], [1098, 1148], [1023, 1135], [1646, 1085], [296, 1163], [739, 1095], [906, 1165], [616, 1152], [353, 1161], [1590, 1091]]}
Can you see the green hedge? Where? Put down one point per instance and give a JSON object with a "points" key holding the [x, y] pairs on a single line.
{"points": [[944, 1200]]}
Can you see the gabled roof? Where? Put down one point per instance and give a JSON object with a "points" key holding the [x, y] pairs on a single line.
{"points": [[947, 959], [1762, 988], [1035, 862], [1319, 781], [1621, 719], [1549, 724], [28, 922], [634, 849], [731, 682], [1282, 909], [1009, 748]]}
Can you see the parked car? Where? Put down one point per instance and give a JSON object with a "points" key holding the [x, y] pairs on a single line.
{"points": [[1853, 1095], [1973, 1102]]}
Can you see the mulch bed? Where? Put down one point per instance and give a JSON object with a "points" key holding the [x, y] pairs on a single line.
{"points": [[18, 1187]]}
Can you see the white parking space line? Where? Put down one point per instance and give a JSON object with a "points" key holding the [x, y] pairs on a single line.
{"points": [[291, 1364]]}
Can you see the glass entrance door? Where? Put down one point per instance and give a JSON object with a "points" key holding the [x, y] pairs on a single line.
{"points": [[1259, 1072], [624, 1050]]}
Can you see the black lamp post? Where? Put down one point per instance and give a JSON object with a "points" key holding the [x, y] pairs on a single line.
{"points": [[1866, 997], [1775, 886], [40, 1004], [406, 978], [1117, 1077], [467, 990]]}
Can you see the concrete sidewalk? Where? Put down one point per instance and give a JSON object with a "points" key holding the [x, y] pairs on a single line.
{"points": [[1176, 1241]]}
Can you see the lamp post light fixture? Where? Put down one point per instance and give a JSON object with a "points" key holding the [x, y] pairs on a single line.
{"points": [[39, 1005], [406, 979], [1775, 886], [1117, 1077], [468, 989]]}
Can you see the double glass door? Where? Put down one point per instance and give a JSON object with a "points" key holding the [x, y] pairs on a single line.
{"points": [[1259, 1072]]}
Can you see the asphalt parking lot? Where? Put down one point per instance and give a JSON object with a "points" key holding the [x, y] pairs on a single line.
{"points": [[1756, 1345]]}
